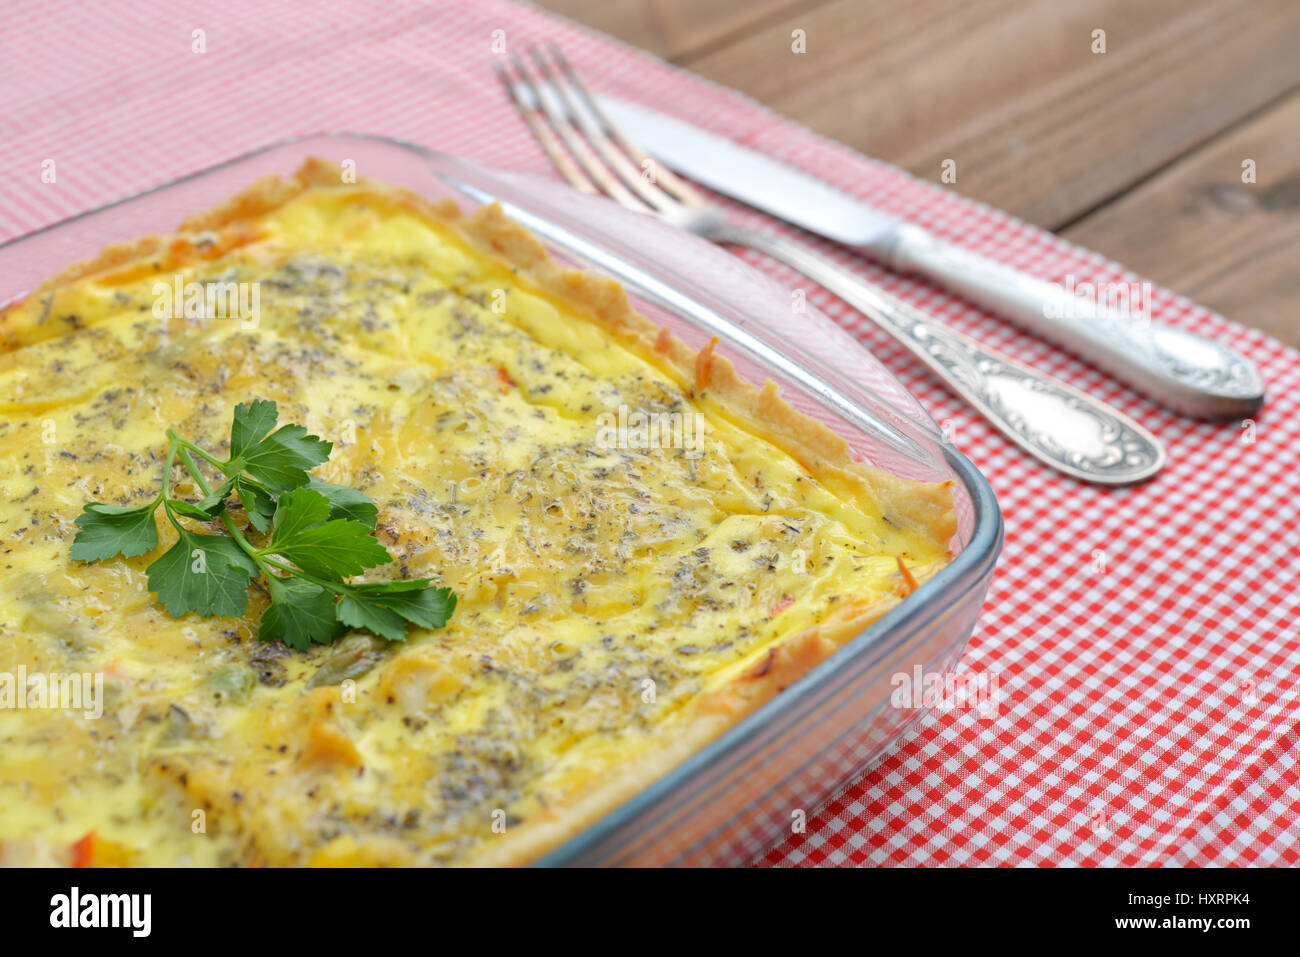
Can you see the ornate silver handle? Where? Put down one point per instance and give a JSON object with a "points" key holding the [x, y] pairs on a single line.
{"points": [[1056, 423], [1193, 374]]}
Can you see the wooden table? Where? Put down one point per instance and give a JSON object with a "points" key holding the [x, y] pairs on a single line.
{"points": [[1141, 152]]}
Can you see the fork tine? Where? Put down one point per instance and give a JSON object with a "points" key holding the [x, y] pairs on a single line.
{"points": [[544, 135], [577, 146], [665, 177], [618, 161]]}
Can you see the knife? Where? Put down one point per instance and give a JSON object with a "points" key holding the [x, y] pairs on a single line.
{"points": [[1190, 373]]}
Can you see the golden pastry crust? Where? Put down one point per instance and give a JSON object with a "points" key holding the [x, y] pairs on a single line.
{"points": [[707, 376]]}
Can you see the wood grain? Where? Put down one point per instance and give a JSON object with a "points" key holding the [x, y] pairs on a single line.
{"points": [[1135, 152], [676, 29], [1198, 228], [1036, 123]]}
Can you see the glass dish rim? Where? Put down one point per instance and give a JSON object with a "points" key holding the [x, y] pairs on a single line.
{"points": [[967, 569]]}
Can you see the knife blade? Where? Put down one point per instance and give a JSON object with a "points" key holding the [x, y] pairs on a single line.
{"points": [[747, 175], [1193, 374]]}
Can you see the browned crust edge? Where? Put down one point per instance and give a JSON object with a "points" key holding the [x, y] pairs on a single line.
{"points": [[928, 507]]}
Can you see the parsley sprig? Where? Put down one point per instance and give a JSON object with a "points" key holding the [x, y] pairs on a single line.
{"points": [[315, 536]]}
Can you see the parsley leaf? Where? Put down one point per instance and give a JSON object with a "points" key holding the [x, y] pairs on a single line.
{"points": [[257, 500], [263, 463], [280, 460], [204, 573], [299, 614], [320, 535], [252, 422], [189, 510], [413, 599], [386, 607], [298, 511], [107, 530], [347, 502], [213, 501], [332, 549], [358, 612]]}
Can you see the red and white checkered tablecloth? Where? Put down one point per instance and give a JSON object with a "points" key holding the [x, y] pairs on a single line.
{"points": [[1145, 640]]}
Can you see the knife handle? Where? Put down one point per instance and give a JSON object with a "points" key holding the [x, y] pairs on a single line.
{"points": [[1056, 423], [1192, 374]]}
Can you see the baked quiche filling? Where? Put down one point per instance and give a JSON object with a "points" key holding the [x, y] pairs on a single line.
{"points": [[643, 547]]}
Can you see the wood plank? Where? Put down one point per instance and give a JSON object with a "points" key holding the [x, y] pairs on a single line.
{"points": [[1040, 125], [1197, 228], [1036, 122], [674, 28]]}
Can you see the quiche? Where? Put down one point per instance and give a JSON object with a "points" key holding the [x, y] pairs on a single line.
{"points": [[644, 546]]}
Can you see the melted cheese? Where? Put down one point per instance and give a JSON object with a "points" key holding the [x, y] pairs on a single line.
{"points": [[604, 591]]}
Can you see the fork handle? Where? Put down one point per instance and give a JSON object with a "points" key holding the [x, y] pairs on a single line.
{"points": [[1193, 374], [1067, 429]]}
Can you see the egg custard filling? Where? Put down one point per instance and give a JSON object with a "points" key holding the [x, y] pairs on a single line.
{"points": [[644, 547]]}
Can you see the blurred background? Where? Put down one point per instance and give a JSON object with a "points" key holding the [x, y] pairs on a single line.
{"points": [[1164, 134]]}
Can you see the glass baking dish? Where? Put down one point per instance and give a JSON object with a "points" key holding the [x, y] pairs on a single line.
{"points": [[739, 794]]}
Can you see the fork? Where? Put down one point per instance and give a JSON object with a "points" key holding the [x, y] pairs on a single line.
{"points": [[1056, 423]]}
